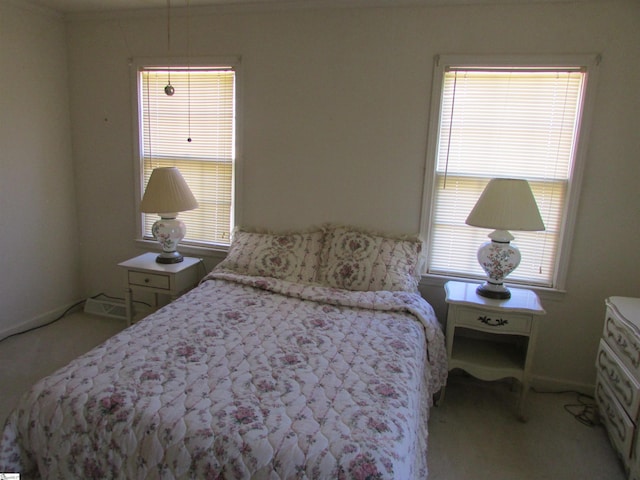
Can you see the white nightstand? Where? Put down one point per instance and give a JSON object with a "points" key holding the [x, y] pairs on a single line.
{"points": [[492, 339], [144, 274]]}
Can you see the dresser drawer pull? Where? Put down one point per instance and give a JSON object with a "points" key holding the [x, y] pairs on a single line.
{"points": [[629, 348], [612, 414], [620, 385], [498, 322]]}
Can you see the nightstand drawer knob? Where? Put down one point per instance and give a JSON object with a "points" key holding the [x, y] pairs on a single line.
{"points": [[146, 280], [498, 322]]}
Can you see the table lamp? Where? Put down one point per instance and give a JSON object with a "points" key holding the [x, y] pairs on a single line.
{"points": [[167, 193], [505, 204]]}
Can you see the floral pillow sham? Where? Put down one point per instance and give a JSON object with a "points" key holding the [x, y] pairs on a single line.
{"points": [[357, 260], [292, 256]]}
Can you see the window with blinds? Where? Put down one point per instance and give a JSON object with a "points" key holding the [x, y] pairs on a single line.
{"points": [[193, 130], [503, 123]]}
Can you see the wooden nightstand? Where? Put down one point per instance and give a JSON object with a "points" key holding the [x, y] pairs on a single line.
{"points": [[492, 339], [144, 274]]}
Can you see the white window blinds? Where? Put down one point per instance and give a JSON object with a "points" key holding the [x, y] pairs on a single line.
{"points": [[193, 130], [510, 123]]}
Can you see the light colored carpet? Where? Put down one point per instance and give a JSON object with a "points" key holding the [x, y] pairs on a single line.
{"points": [[26, 358], [474, 435]]}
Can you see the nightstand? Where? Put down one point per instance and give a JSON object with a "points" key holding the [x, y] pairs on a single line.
{"points": [[492, 339], [144, 274]]}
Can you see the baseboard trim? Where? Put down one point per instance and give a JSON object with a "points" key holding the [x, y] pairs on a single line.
{"points": [[548, 384], [541, 384], [39, 321]]}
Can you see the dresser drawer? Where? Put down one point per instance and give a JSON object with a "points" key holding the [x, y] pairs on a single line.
{"points": [[495, 322], [623, 340], [634, 462], [620, 428], [149, 280], [618, 379]]}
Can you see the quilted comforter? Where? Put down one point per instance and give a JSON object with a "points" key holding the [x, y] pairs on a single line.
{"points": [[243, 377]]}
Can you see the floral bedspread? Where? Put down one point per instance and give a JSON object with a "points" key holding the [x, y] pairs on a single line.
{"points": [[243, 377]]}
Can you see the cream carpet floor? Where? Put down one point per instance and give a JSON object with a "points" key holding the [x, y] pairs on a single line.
{"points": [[473, 435]]}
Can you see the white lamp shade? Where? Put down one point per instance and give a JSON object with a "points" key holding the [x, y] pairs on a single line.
{"points": [[506, 204], [167, 192]]}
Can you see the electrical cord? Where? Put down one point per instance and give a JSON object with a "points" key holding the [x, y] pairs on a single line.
{"points": [[62, 315], [584, 410], [118, 298], [65, 313], [82, 302], [585, 413], [203, 267]]}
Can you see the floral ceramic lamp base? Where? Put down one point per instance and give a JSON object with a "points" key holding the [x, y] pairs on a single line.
{"points": [[168, 231], [498, 258]]}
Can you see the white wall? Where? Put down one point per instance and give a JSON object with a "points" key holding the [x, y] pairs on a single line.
{"points": [[334, 129], [39, 255]]}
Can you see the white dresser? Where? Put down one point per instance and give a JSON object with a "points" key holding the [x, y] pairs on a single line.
{"points": [[618, 379]]}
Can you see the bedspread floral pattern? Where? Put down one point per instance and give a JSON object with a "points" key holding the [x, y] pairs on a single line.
{"points": [[244, 377]]}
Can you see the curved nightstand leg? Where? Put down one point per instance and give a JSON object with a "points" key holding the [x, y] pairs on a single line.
{"points": [[128, 302]]}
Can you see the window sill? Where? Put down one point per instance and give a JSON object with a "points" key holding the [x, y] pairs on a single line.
{"points": [[218, 252]]}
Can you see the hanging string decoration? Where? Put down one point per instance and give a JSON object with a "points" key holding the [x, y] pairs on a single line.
{"points": [[169, 90]]}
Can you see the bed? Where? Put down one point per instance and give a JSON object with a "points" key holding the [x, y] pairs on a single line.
{"points": [[304, 355]]}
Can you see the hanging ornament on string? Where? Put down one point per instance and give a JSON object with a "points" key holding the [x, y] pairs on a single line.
{"points": [[189, 70], [169, 90]]}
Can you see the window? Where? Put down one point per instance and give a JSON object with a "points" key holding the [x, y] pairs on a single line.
{"points": [[510, 120], [194, 130]]}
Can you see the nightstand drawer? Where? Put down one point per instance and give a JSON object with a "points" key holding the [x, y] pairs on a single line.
{"points": [[167, 281], [618, 379], [495, 322], [150, 280], [618, 424]]}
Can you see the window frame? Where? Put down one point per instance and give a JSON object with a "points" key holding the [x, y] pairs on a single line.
{"points": [[590, 63], [138, 63]]}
